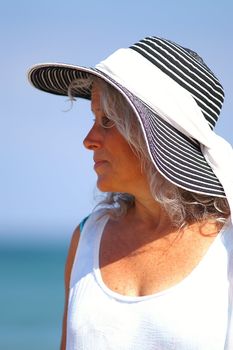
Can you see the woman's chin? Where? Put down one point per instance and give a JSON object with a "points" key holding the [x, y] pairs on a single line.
{"points": [[105, 186]]}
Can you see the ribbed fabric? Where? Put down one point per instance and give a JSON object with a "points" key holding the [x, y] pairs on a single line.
{"points": [[193, 315]]}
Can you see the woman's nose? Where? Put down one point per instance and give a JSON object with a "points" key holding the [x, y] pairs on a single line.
{"points": [[93, 140]]}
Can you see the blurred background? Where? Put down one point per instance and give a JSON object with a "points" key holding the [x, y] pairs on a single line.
{"points": [[47, 182]]}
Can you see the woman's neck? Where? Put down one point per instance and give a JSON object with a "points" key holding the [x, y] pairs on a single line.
{"points": [[150, 213]]}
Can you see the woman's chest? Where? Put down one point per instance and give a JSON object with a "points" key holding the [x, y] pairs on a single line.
{"points": [[144, 269]]}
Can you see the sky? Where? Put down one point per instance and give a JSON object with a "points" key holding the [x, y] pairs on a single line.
{"points": [[47, 180]]}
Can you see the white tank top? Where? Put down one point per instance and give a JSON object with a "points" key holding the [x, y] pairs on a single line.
{"points": [[192, 315]]}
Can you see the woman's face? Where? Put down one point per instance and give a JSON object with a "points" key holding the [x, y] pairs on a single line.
{"points": [[116, 165]]}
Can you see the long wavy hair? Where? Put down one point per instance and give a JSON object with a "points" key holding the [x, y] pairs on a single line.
{"points": [[182, 206]]}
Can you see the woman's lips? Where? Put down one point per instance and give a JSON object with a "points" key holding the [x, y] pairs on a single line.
{"points": [[98, 163]]}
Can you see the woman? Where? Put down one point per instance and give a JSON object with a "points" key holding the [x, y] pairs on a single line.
{"points": [[152, 268]]}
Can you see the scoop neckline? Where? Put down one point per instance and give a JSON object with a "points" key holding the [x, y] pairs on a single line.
{"points": [[132, 299]]}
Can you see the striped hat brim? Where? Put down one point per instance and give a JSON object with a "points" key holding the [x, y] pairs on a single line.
{"points": [[178, 158]]}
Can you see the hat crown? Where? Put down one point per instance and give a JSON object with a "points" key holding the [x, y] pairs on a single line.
{"points": [[189, 70]]}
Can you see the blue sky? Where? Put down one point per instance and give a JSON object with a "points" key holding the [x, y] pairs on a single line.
{"points": [[47, 180]]}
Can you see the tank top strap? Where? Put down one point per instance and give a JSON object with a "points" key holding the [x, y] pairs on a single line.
{"points": [[85, 253]]}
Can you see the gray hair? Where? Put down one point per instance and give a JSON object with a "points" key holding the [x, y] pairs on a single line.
{"points": [[182, 206]]}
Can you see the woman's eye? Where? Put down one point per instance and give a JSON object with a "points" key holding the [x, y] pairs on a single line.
{"points": [[106, 122]]}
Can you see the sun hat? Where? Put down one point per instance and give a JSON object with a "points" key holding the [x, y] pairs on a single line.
{"points": [[177, 100]]}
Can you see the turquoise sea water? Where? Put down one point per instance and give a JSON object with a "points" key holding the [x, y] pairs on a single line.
{"points": [[31, 295]]}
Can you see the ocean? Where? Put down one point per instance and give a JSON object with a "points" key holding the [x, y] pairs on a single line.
{"points": [[31, 295]]}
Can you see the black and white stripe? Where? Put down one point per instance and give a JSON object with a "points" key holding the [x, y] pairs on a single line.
{"points": [[188, 70]]}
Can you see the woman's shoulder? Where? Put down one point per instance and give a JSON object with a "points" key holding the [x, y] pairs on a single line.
{"points": [[85, 224]]}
